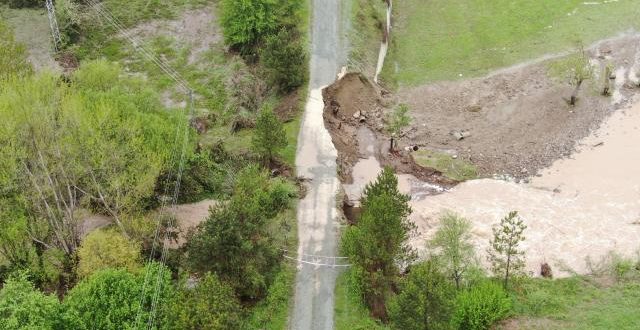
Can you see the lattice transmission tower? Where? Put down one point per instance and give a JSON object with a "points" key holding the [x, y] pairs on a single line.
{"points": [[53, 23]]}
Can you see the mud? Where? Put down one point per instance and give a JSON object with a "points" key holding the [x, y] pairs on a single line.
{"points": [[518, 118], [354, 114]]}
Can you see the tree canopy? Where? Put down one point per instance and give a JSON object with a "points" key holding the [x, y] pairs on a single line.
{"points": [[235, 241], [22, 306], [377, 244]]}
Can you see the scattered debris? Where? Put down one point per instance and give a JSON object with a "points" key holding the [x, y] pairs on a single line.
{"points": [[459, 135]]}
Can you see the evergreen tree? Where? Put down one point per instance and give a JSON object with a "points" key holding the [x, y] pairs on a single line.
{"points": [[377, 245], [285, 59], [505, 257], [269, 136], [235, 241]]}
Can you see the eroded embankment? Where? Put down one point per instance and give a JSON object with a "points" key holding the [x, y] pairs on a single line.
{"points": [[577, 209]]}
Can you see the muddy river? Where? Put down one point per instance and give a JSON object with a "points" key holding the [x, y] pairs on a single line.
{"points": [[581, 208]]}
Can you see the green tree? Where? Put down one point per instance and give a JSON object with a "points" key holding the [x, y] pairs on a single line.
{"points": [[100, 143], [211, 305], [285, 59], [111, 299], [479, 307], [269, 136], [235, 241], [425, 299], [505, 257], [24, 307], [453, 246], [104, 249], [245, 22], [378, 243], [397, 121], [13, 56]]}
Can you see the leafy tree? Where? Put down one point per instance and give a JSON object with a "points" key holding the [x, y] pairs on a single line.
{"points": [[425, 299], [24, 307], [481, 306], [452, 241], [285, 59], [13, 56], [100, 143], [211, 305], [505, 257], [245, 22], [378, 243], [269, 136], [397, 121], [111, 299], [235, 241], [104, 249]]}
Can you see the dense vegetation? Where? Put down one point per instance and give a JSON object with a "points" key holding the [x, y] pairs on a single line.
{"points": [[101, 142]]}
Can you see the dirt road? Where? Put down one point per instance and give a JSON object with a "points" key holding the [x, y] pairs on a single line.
{"points": [[316, 160]]}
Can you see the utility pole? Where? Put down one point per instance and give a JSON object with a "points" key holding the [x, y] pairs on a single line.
{"points": [[53, 23]]}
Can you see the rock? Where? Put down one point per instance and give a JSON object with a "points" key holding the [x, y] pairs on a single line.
{"points": [[524, 170], [356, 115], [545, 270], [474, 108]]}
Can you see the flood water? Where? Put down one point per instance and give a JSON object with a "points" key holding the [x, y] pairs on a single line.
{"points": [[580, 208]]}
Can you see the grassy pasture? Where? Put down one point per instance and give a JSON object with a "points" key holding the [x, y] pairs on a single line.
{"points": [[445, 40]]}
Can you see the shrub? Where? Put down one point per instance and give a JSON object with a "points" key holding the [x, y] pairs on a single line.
{"points": [[285, 59], [479, 307], [210, 305], [13, 56], [103, 249], [25, 3], [245, 22], [424, 301]]}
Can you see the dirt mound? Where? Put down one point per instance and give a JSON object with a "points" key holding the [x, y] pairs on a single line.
{"points": [[349, 102]]}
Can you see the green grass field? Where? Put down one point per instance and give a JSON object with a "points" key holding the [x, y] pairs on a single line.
{"points": [[578, 303], [453, 39]]}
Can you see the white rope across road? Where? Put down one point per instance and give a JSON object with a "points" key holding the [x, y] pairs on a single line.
{"points": [[332, 265], [317, 260]]}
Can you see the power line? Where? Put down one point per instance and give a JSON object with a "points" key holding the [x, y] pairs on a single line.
{"points": [[184, 85]]}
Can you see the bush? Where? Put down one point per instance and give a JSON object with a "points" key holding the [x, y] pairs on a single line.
{"points": [[245, 22], [479, 307], [13, 56], [424, 301], [103, 249], [25, 3], [210, 305], [285, 60]]}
